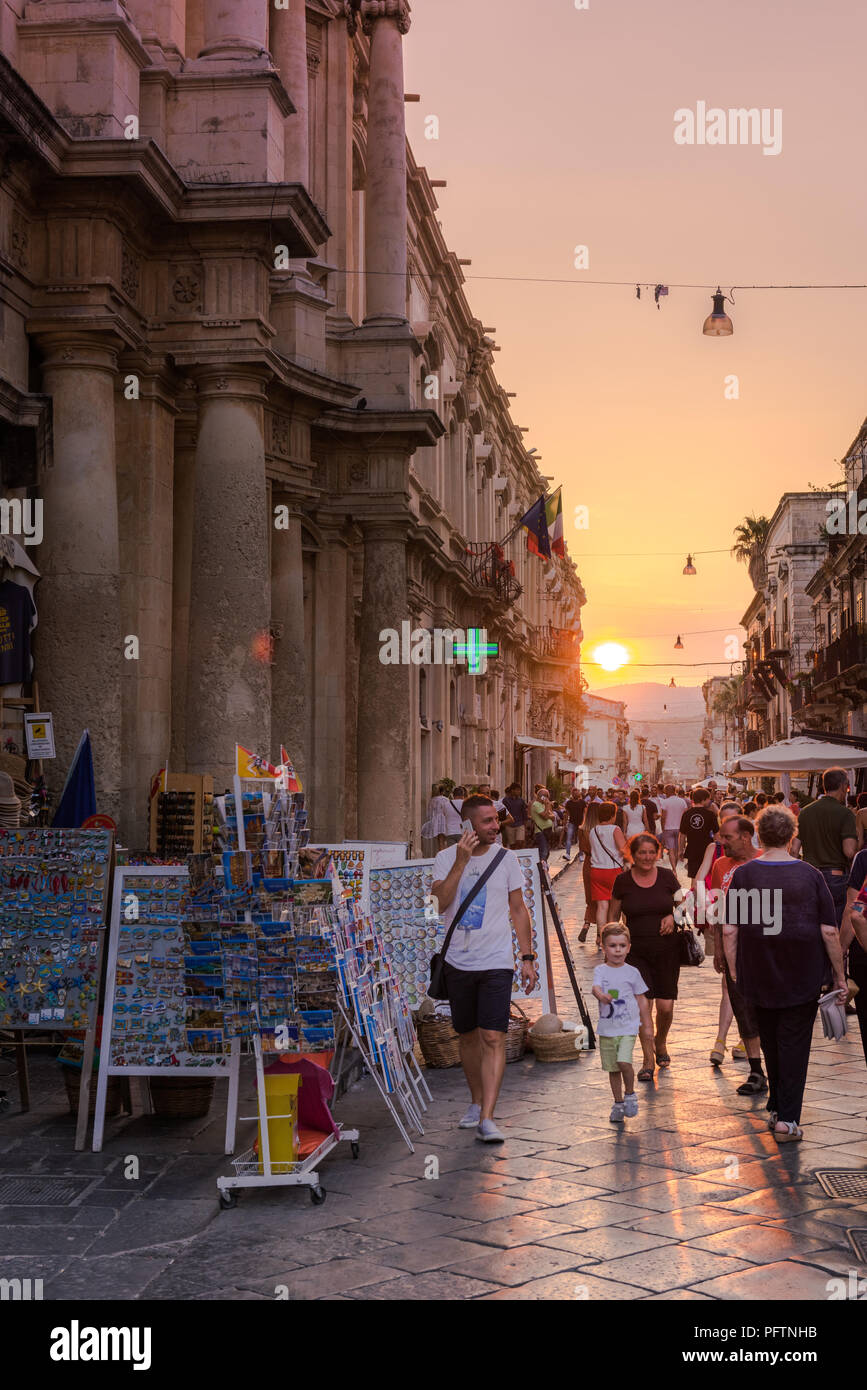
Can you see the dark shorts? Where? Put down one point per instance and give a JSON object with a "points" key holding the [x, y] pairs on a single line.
{"points": [[657, 960], [479, 998], [837, 883]]}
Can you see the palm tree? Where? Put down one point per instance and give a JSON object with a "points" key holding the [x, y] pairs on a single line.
{"points": [[750, 539], [725, 703]]}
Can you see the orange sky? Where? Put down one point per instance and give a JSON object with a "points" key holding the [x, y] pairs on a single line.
{"points": [[556, 129]]}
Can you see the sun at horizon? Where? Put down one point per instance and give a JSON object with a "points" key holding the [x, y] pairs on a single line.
{"points": [[610, 656]]}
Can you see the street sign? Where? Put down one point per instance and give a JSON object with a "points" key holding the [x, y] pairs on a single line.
{"points": [[39, 733]]}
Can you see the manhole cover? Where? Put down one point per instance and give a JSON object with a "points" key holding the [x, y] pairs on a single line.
{"points": [[858, 1241], [848, 1183], [41, 1191]]}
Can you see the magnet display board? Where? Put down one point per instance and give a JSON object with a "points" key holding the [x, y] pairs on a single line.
{"points": [[406, 917], [145, 1017], [352, 862], [53, 890]]}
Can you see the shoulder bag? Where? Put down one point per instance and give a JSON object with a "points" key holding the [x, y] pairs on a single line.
{"points": [[615, 862], [437, 986]]}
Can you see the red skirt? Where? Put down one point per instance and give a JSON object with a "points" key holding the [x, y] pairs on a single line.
{"points": [[601, 883]]}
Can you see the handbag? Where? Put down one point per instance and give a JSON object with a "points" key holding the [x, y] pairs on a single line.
{"points": [[437, 986], [690, 948]]}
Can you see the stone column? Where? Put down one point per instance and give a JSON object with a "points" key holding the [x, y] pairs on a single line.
{"points": [[385, 202], [182, 573], [79, 654], [288, 43], [329, 661], [145, 445], [385, 809], [229, 673], [235, 29], [289, 705]]}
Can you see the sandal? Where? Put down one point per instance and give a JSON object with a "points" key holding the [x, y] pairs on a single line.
{"points": [[582, 935], [646, 1074], [772, 1120], [663, 1060], [793, 1133], [739, 1053], [755, 1085], [718, 1053]]}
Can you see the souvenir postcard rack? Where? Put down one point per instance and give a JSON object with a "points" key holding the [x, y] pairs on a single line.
{"points": [[54, 887], [408, 920]]}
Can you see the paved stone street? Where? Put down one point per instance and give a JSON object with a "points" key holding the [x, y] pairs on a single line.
{"points": [[690, 1200]]}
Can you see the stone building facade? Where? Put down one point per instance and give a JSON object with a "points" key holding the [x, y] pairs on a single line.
{"points": [[260, 414], [779, 620]]}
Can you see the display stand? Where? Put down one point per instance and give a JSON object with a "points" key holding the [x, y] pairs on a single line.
{"points": [[548, 897], [189, 801], [54, 886], [144, 922], [409, 921], [254, 1169]]}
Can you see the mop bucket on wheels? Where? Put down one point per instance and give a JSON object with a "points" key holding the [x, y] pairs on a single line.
{"points": [[281, 1107]]}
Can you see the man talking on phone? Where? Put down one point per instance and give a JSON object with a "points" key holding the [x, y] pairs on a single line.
{"points": [[479, 959]]}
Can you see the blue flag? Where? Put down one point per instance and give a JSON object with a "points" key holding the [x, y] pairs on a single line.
{"points": [[78, 798], [535, 523]]}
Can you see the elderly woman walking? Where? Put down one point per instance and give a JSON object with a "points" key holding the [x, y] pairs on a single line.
{"points": [[780, 939]]}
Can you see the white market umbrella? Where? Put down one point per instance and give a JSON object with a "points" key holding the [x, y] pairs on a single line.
{"points": [[800, 754]]}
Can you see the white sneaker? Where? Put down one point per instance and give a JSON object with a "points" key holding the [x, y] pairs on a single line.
{"points": [[617, 1113], [488, 1133], [630, 1104], [471, 1119]]}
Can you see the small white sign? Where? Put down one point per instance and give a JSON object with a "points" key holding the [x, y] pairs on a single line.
{"points": [[39, 733]]}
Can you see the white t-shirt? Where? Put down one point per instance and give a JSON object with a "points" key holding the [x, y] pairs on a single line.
{"points": [[452, 811], [672, 808], [620, 1018], [483, 937]]}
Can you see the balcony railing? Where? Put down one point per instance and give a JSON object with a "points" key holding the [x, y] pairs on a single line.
{"points": [[490, 570], [753, 740], [556, 642], [846, 651], [801, 695]]}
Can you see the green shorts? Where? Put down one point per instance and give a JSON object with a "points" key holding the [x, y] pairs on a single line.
{"points": [[615, 1050]]}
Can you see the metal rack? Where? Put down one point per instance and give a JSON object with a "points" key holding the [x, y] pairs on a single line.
{"points": [[248, 1165]]}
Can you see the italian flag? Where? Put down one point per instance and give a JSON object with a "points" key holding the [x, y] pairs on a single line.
{"points": [[554, 517]]}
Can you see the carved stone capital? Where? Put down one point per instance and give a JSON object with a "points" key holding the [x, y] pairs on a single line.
{"points": [[366, 11]]}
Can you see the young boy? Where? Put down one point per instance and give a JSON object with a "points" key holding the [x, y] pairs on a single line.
{"points": [[623, 1012]]}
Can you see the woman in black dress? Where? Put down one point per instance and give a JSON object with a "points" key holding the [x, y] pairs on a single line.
{"points": [[645, 895]]}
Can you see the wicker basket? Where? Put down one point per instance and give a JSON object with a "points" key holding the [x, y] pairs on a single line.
{"points": [[113, 1093], [439, 1041], [554, 1047], [181, 1097]]}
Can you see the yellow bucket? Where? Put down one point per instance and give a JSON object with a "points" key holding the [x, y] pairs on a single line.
{"points": [[281, 1099]]}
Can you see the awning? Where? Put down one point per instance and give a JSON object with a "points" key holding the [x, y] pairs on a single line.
{"points": [[527, 742], [565, 766], [799, 755]]}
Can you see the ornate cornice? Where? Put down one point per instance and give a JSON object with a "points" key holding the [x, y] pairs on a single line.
{"points": [[366, 11]]}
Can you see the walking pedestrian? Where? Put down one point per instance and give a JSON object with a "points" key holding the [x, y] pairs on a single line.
{"points": [[542, 815], [575, 813], [452, 812], [779, 965], [736, 833], [623, 1012], [479, 962], [853, 938], [513, 835], [829, 835], [608, 853], [591, 819], [645, 894], [672, 809], [698, 825], [635, 816]]}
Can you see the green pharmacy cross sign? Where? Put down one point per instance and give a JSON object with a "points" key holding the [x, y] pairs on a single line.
{"points": [[476, 650]]}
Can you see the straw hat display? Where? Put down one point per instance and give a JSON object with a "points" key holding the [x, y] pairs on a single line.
{"points": [[10, 806]]}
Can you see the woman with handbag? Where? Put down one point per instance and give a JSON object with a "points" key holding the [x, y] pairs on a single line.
{"points": [[645, 895], [608, 854]]}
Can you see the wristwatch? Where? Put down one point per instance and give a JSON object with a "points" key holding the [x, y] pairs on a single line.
{"points": [[530, 956]]}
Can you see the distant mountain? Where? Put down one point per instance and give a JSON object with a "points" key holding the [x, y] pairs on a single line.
{"points": [[653, 700]]}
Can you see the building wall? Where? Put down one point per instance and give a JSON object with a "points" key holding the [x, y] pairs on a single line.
{"points": [[274, 428]]}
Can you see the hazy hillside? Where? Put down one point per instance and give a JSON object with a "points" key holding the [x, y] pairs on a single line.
{"points": [[649, 699]]}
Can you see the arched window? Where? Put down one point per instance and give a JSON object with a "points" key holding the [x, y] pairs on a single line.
{"points": [[422, 694], [453, 704]]}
